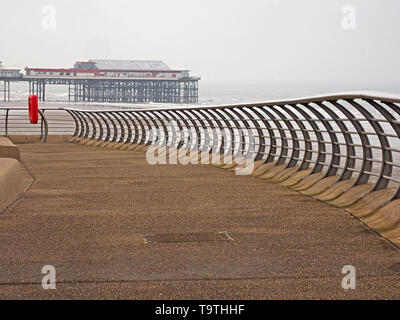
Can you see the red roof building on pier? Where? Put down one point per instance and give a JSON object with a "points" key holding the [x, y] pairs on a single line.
{"points": [[153, 69]]}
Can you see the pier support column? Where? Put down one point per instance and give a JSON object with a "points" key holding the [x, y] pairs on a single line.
{"points": [[43, 91], [6, 90]]}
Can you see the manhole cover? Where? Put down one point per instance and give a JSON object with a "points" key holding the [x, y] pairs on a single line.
{"points": [[395, 267], [187, 237]]}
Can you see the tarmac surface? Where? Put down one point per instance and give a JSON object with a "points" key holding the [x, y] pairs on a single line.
{"points": [[88, 211]]}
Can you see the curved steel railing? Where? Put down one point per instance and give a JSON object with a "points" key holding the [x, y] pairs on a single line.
{"points": [[14, 121], [339, 148]]}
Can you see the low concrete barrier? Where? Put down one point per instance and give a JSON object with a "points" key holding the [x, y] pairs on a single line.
{"points": [[8, 149], [11, 184], [28, 138]]}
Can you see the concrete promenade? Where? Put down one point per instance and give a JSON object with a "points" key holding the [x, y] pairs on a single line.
{"points": [[88, 210]]}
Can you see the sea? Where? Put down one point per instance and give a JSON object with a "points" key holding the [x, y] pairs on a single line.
{"points": [[210, 93]]}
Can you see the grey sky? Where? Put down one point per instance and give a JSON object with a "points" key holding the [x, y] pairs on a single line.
{"points": [[220, 40]]}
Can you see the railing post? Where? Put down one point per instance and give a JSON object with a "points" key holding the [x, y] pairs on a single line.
{"points": [[6, 123], [46, 127]]}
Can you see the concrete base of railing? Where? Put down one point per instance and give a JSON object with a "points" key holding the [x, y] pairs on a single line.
{"points": [[370, 207], [11, 180], [54, 138], [8, 149], [11, 183]]}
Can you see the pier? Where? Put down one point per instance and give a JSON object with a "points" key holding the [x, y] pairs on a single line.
{"points": [[322, 193], [88, 210], [119, 90], [112, 90], [122, 81]]}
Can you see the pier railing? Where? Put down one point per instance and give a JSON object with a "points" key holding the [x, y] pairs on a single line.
{"points": [[15, 122], [329, 146], [342, 149]]}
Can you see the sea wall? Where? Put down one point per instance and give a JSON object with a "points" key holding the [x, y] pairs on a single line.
{"points": [[11, 182]]}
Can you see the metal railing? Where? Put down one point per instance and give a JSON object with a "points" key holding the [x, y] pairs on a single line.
{"points": [[15, 121], [353, 137]]}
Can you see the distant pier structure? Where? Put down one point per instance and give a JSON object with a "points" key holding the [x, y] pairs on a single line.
{"points": [[7, 75], [117, 81], [113, 81]]}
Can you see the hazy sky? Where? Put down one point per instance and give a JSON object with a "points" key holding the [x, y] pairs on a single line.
{"points": [[220, 40]]}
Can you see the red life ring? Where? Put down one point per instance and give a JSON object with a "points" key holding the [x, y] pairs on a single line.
{"points": [[33, 108]]}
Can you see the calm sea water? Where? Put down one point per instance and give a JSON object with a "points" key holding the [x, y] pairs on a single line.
{"points": [[212, 93]]}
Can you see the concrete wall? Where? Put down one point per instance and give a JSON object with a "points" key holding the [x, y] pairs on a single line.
{"points": [[11, 182], [8, 149]]}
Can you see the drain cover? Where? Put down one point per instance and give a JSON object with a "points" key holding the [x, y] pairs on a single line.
{"points": [[395, 267], [187, 237]]}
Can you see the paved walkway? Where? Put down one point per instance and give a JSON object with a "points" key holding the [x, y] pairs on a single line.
{"points": [[88, 210]]}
